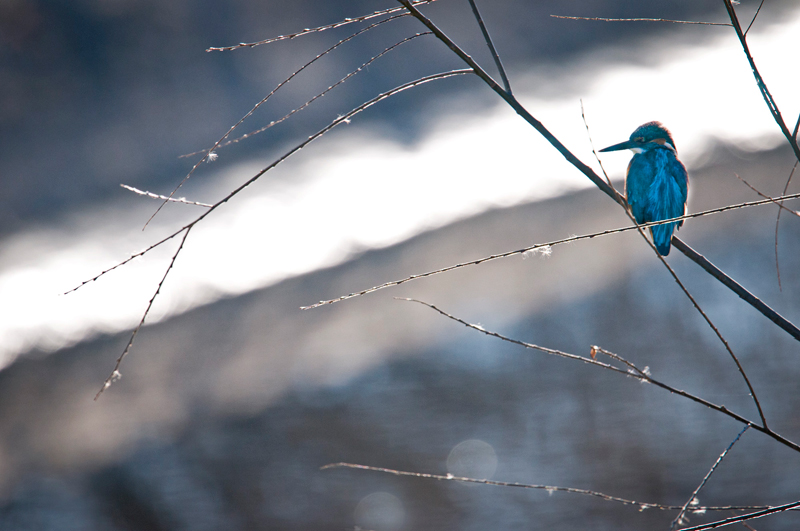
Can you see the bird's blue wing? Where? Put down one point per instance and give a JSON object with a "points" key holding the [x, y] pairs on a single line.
{"points": [[666, 196], [637, 184]]}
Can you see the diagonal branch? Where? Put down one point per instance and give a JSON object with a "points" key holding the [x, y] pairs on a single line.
{"points": [[637, 373], [778, 202], [754, 17], [339, 120], [115, 374], [307, 31], [744, 517], [770, 101], [796, 128], [534, 247], [678, 519], [765, 310], [208, 152], [490, 44], [312, 100], [588, 172], [603, 19], [159, 196], [549, 488], [778, 220]]}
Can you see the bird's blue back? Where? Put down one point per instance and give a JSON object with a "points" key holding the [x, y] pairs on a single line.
{"points": [[656, 187]]}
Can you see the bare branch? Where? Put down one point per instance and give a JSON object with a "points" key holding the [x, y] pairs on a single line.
{"points": [[490, 45], [796, 128], [534, 247], [678, 519], [157, 196], [603, 19], [315, 30], [618, 197], [115, 374], [754, 17], [771, 199], [129, 259], [716, 332], [762, 86], [260, 103], [450, 477], [778, 222], [309, 102], [637, 374], [744, 517], [595, 350]]}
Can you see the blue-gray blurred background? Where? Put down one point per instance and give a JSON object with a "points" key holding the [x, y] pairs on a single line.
{"points": [[233, 398]]}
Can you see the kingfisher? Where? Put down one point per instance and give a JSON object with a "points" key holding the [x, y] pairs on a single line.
{"points": [[656, 182]]}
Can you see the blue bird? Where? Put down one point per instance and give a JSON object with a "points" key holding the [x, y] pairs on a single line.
{"points": [[656, 182]]}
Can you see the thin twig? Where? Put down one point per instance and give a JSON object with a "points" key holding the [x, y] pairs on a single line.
{"points": [[315, 30], [596, 156], [777, 224], [777, 221], [690, 253], [339, 120], [129, 259], [157, 196], [679, 519], [115, 374], [321, 94], [450, 477], [260, 103], [710, 324], [744, 517], [595, 350], [762, 86], [772, 199], [490, 44], [637, 374], [603, 19], [754, 17], [538, 246]]}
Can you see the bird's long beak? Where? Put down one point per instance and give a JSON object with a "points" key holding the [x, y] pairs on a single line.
{"points": [[628, 144]]}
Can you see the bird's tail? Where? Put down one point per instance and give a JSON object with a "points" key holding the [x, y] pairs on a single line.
{"points": [[662, 235]]}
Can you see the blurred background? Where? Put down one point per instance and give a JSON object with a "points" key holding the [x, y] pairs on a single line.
{"points": [[233, 398]]}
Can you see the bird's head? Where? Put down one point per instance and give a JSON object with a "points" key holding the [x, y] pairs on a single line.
{"points": [[647, 136]]}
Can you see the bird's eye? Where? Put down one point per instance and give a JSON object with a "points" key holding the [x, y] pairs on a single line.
{"points": [[639, 139]]}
